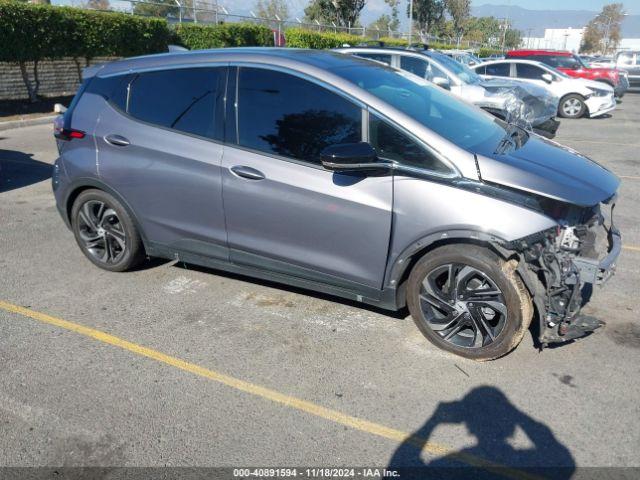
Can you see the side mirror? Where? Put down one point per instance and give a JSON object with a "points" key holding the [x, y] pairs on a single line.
{"points": [[547, 77], [350, 157], [442, 82], [59, 108]]}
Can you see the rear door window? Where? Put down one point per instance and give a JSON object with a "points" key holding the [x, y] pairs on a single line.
{"points": [[183, 99], [531, 72], [285, 115], [414, 65], [498, 69]]}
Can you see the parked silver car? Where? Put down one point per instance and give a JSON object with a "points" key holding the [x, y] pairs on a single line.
{"points": [[515, 102], [337, 174]]}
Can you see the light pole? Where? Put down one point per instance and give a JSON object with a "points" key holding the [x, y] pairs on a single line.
{"points": [[410, 20], [179, 11]]}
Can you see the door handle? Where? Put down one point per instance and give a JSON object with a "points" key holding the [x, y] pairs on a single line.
{"points": [[247, 172], [117, 140]]}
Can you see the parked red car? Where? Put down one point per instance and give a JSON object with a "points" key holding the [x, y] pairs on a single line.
{"points": [[573, 66]]}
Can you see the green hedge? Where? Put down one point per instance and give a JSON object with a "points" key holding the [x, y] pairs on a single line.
{"points": [[196, 37], [301, 38], [486, 52], [30, 32]]}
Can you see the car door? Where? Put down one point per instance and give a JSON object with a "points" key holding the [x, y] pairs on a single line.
{"points": [[284, 211], [159, 147]]}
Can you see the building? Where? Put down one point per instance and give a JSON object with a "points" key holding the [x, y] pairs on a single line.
{"points": [[556, 39]]}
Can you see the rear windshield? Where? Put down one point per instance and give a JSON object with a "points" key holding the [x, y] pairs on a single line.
{"points": [[453, 119]]}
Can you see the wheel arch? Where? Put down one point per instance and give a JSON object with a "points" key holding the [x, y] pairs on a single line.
{"points": [[398, 272], [82, 184], [404, 263]]}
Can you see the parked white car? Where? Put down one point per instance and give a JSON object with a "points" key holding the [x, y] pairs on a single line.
{"points": [[578, 96]]}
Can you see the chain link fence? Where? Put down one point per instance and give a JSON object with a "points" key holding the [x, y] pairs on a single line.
{"points": [[205, 12]]}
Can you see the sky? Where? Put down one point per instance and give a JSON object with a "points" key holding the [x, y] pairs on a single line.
{"points": [[374, 8], [631, 6]]}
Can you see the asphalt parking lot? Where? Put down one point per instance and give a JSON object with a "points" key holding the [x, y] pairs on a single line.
{"points": [[173, 365]]}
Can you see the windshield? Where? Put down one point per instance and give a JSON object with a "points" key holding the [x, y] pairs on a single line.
{"points": [[556, 71], [582, 63], [463, 72], [453, 119]]}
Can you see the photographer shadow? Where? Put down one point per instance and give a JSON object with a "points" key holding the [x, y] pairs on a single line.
{"points": [[493, 420]]}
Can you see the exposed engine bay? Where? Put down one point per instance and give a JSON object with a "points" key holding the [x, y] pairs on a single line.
{"points": [[562, 265]]}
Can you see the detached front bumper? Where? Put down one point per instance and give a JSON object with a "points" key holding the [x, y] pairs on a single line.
{"points": [[598, 272], [600, 105], [563, 270]]}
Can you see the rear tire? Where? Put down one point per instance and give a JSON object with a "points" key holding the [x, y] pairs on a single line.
{"points": [[105, 231], [572, 106], [487, 303]]}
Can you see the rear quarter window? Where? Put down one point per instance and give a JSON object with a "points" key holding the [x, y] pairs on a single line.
{"points": [[184, 99], [112, 89]]}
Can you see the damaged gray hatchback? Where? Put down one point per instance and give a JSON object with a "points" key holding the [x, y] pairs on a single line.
{"points": [[339, 175]]}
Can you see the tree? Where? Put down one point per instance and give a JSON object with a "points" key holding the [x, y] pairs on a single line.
{"points": [[484, 30], [427, 14], [159, 8], [98, 4], [603, 31], [395, 17], [512, 39], [272, 8], [460, 11], [343, 13], [384, 24]]}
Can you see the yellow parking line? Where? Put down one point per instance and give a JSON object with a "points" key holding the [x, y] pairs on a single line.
{"points": [[268, 394], [633, 248]]}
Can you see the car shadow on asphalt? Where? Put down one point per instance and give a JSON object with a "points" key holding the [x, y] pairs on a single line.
{"points": [[19, 169], [495, 423]]}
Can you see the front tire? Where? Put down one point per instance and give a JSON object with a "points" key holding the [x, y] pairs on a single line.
{"points": [[105, 231], [572, 106], [468, 301]]}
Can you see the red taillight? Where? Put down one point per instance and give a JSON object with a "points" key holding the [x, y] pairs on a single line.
{"points": [[62, 133], [76, 134], [67, 134]]}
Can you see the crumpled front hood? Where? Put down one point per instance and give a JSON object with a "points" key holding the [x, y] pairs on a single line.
{"points": [[548, 169]]}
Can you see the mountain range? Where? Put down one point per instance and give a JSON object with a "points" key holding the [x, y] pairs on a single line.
{"points": [[533, 22]]}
